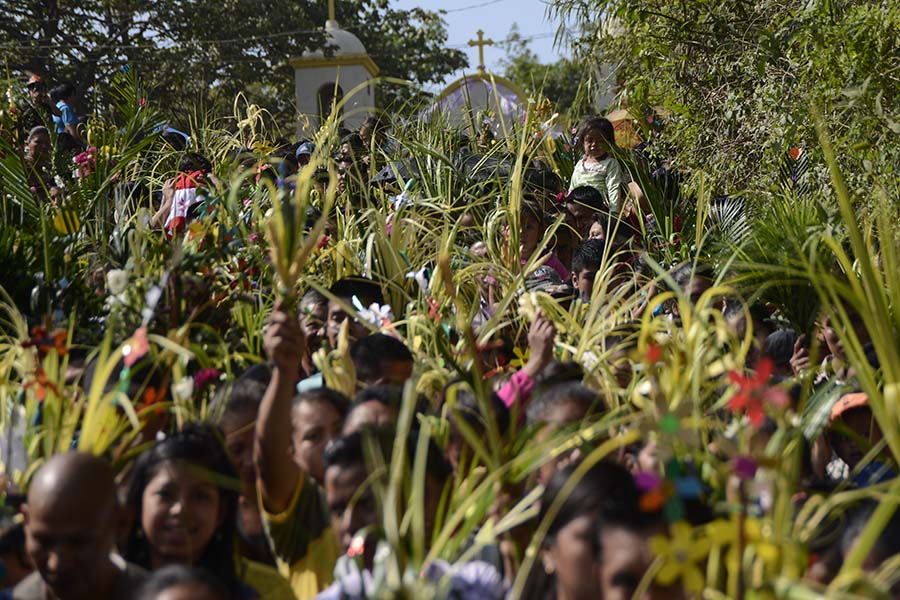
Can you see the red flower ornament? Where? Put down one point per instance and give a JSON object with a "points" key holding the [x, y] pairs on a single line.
{"points": [[754, 393]]}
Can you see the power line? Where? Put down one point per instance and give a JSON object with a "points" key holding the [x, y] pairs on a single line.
{"points": [[470, 7]]}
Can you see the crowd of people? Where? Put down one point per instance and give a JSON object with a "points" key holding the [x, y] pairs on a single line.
{"points": [[283, 496]]}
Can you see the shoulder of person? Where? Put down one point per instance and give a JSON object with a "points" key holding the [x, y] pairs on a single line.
{"points": [[30, 588], [130, 578]]}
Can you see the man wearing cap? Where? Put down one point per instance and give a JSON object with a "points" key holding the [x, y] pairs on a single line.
{"points": [[852, 432], [40, 109], [304, 152]]}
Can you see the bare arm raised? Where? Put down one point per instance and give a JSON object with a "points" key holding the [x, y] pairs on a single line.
{"points": [[278, 473]]}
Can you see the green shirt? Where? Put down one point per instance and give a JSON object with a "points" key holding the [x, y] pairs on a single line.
{"points": [[605, 176]]}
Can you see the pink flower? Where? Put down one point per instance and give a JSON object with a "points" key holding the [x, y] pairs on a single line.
{"points": [[745, 467], [205, 376]]}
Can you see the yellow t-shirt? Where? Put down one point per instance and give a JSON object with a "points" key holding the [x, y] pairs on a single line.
{"points": [[302, 540], [267, 582]]}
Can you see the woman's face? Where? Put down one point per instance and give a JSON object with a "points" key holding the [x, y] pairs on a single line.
{"points": [[572, 557], [181, 510], [38, 146]]}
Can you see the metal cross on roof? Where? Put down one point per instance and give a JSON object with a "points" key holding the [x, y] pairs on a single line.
{"points": [[481, 43]]}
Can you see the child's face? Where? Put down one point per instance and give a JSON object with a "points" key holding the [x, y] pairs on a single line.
{"points": [[584, 283], [530, 233], [596, 231], [594, 145], [181, 511]]}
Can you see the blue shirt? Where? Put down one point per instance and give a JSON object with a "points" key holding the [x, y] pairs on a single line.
{"points": [[66, 117]]}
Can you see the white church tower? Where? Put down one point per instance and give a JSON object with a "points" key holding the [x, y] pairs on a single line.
{"points": [[323, 81]]}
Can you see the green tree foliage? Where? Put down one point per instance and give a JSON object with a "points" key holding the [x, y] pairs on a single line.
{"points": [[740, 77], [559, 81], [204, 51]]}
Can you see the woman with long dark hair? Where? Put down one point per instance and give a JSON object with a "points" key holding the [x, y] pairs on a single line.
{"points": [[183, 494]]}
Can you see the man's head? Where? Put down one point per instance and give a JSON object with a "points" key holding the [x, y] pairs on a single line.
{"points": [[375, 406], [586, 261], [365, 291], [36, 87], [241, 405], [886, 545], [70, 525], [318, 416], [561, 405], [585, 205], [380, 359], [313, 317], [569, 550], [349, 462], [852, 430], [64, 91]]}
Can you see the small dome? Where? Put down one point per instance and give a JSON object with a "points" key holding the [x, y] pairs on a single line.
{"points": [[341, 40]]}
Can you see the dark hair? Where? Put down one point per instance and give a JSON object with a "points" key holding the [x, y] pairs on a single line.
{"points": [[175, 575], [350, 451], [355, 141], [247, 391], [601, 124], [362, 287], [606, 491], [329, 396], [35, 131], [371, 354], [198, 444], [388, 395], [588, 196], [313, 296], [12, 542], [62, 91], [468, 410], [779, 346], [685, 272], [194, 161], [588, 255], [888, 542], [532, 209], [560, 394]]}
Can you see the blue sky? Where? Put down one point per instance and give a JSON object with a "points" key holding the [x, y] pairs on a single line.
{"points": [[495, 17]]}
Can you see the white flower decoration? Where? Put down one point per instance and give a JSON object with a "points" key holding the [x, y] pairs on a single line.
{"points": [[116, 281], [589, 360], [378, 315], [421, 277], [184, 389]]}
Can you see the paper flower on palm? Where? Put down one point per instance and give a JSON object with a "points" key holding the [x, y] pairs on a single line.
{"points": [[422, 277], [681, 554], [754, 393], [116, 281], [724, 532], [379, 315]]}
